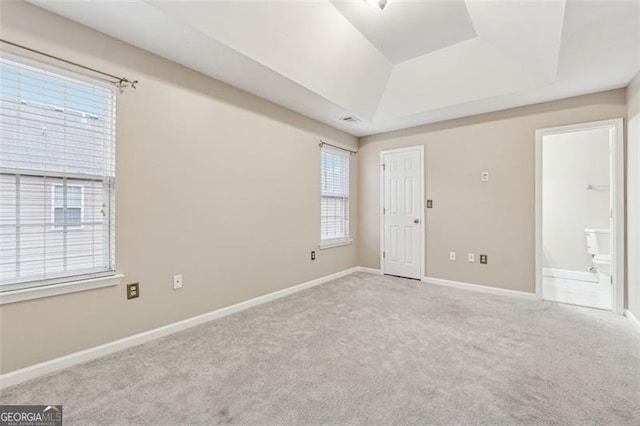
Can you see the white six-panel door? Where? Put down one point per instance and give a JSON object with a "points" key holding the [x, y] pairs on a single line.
{"points": [[402, 212]]}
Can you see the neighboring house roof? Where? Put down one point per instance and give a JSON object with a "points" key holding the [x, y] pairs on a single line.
{"points": [[38, 136]]}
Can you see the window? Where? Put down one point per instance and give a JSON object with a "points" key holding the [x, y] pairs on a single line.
{"points": [[57, 174], [334, 216], [67, 206]]}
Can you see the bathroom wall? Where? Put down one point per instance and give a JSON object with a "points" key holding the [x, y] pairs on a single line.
{"points": [[570, 162]]}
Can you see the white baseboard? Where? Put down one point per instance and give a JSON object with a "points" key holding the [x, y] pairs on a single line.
{"points": [[37, 370], [480, 288], [369, 270], [633, 319], [568, 274]]}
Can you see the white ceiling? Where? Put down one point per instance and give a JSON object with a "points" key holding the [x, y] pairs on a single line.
{"points": [[415, 62], [411, 29]]}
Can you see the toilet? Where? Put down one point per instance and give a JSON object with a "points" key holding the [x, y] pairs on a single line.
{"points": [[599, 247]]}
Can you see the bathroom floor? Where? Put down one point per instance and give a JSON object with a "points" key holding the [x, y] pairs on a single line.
{"points": [[582, 293]]}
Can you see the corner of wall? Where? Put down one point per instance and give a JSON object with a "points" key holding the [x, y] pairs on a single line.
{"points": [[633, 195]]}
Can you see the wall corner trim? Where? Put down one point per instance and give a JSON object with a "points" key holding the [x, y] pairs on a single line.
{"points": [[33, 371], [480, 288], [632, 318]]}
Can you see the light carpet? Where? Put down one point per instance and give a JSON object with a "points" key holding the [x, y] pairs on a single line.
{"points": [[366, 349]]}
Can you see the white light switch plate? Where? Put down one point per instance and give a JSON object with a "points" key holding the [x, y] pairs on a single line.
{"points": [[452, 255], [471, 257]]}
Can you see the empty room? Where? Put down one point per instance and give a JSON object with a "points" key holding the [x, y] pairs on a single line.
{"points": [[337, 212]]}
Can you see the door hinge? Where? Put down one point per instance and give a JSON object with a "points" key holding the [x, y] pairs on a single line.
{"points": [[384, 166], [384, 254], [384, 210], [611, 279]]}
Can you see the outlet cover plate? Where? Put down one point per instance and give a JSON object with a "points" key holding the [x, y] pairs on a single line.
{"points": [[484, 259], [133, 290], [177, 282]]}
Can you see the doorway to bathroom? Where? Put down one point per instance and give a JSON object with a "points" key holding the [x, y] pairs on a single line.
{"points": [[580, 215]]}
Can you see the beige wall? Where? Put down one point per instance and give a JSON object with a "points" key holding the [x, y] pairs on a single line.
{"points": [[633, 196], [494, 218], [212, 183], [569, 162]]}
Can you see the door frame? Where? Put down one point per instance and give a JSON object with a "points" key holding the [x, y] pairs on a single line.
{"points": [[419, 148], [617, 197]]}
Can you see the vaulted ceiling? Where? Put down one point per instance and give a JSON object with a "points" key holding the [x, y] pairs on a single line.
{"points": [[415, 62]]}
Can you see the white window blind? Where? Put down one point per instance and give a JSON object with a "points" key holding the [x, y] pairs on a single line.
{"points": [[57, 171], [334, 217]]}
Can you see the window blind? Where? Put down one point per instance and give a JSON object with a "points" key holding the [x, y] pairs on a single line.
{"points": [[57, 172], [334, 217]]}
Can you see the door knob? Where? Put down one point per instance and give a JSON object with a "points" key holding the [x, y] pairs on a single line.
{"points": [[416, 220]]}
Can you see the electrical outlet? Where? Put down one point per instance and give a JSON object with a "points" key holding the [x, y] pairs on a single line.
{"points": [[133, 290], [471, 257], [177, 282], [429, 204], [485, 177], [484, 259], [313, 255], [452, 255]]}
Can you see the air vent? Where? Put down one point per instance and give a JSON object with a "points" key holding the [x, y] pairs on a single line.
{"points": [[351, 119]]}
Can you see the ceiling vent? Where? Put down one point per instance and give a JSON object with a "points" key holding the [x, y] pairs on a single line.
{"points": [[351, 119]]}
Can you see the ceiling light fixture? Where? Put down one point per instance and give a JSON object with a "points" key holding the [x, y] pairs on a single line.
{"points": [[379, 3]]}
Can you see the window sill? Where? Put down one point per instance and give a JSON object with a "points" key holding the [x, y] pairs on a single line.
{"points": [[335, 243], [57, 289]]}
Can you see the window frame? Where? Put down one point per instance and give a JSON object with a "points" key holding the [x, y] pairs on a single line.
{"points": [[55, 227], [326, 243]]}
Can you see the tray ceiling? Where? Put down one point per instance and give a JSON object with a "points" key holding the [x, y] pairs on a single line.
{"points": [[415, 62]]}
